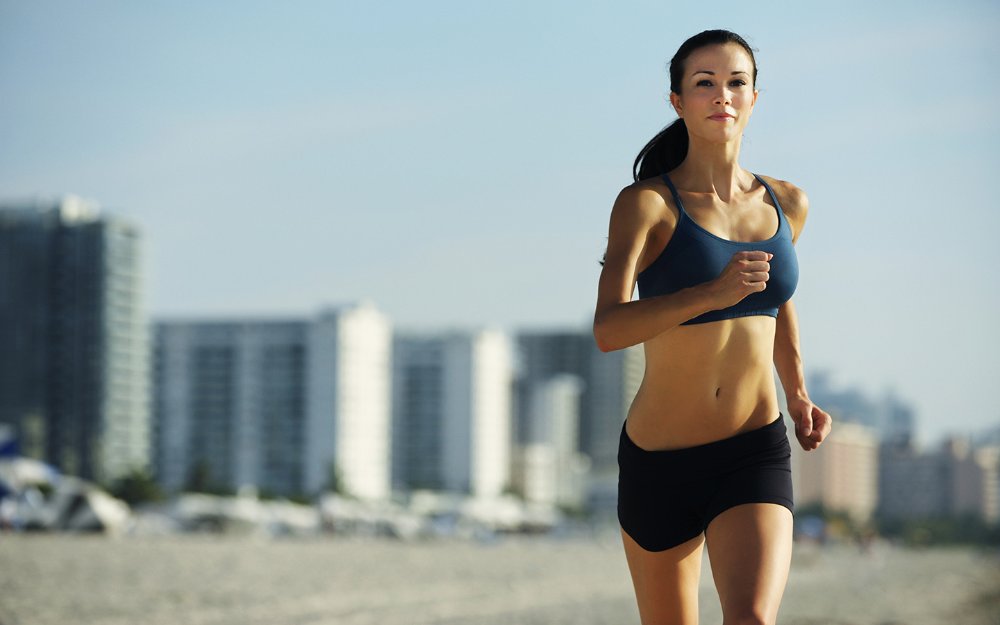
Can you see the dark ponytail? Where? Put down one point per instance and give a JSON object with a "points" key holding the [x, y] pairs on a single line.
{"points": [[669, 147], [663, 153]]}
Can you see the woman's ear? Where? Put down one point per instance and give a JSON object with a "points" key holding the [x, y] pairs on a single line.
{"points": [[675, 101]]}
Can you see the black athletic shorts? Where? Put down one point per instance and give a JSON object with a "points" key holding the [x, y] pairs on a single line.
{"points": [[667, 497]]}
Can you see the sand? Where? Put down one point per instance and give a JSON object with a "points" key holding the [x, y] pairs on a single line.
{"points": [[49, 579]]}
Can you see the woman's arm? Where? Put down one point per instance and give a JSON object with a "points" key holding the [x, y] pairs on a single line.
{"points": [[787, 355], [812, 423], [620, 322]]}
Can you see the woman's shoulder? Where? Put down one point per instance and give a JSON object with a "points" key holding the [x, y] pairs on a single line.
{"points": [[791, 197], [645, 200], [793, 200]]}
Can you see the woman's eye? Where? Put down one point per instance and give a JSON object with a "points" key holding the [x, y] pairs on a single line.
{"points": [[738, 83]]}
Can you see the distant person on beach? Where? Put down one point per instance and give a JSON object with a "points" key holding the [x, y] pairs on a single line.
{"points": [[704, 455]]}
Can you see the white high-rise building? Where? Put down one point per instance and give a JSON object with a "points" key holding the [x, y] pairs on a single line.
{"points": [[285, 406], [549, 468], [452, 412], [350, 387]]}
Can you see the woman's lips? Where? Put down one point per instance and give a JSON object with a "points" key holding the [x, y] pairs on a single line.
{"points": [[721, 118]]}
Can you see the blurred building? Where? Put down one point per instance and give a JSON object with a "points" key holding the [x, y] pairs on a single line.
{"points": [[552, 413], [548, 467], [897, 420], [614, 379], [609, 384], [452, 412], [954, 480], [543, 354], [74, 337], [288, 406], [842, 474], [891, 419]]}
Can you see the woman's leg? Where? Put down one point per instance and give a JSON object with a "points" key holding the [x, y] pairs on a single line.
{"points": [[666, 582], [750, 550]]}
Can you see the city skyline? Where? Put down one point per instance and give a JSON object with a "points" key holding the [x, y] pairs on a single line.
{"points": [[456, 164]]}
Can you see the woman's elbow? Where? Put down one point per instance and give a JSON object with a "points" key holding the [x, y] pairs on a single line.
{"points": [[601, 337]]}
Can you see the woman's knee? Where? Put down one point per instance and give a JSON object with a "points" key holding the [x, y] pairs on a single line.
{"points": [[752, 617]]}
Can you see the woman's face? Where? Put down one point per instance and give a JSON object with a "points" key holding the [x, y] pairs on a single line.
{"points": [[717, 79]]}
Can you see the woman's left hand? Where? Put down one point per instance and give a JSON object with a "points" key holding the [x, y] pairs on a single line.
{"points": [[812, 423]]}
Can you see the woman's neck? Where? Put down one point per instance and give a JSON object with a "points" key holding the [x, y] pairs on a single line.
{"points": [[712, 168]]}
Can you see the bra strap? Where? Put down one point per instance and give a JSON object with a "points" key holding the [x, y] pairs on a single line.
{"points": [[673, 191], [771, 191]]}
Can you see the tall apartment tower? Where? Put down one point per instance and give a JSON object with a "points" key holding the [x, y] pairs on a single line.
{"points": [[349, 401], [74, 337], [609, 384], [288, 406], [548, 467], [452, 412], [553, 413], [542, 355]]}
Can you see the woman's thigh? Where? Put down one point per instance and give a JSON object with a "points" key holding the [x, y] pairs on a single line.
{"points": [[666, 582], [750, 550]]}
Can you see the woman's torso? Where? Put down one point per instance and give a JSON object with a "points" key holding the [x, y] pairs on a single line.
{"points": [[709, 381]]}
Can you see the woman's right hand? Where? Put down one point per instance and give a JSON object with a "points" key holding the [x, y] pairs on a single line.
{"points": [[746, 273]]}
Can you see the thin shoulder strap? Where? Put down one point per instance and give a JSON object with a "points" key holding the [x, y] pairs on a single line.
{"points": [[771, 191], [673, 191]]}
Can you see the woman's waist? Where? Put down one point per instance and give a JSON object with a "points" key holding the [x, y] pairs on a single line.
{"points": [[686, 411], [766, 445]]}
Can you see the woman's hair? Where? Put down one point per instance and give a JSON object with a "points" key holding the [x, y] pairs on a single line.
{"points": [[669, 147]]}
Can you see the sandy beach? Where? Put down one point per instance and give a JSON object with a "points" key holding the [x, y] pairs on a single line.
{"points": [[57, 579]]}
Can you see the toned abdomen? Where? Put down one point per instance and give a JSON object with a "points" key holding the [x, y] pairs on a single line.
{"points": [[705, 382]]}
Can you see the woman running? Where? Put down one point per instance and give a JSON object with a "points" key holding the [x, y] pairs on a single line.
{"points": [[704, 455]]}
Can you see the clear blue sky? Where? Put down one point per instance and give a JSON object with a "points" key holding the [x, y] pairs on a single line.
{"points": [[456, 162]]}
